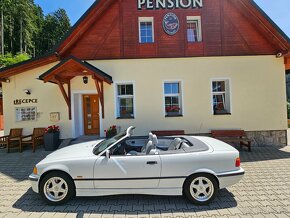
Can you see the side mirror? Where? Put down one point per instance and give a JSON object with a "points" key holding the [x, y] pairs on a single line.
{"points": [[108, 155]]}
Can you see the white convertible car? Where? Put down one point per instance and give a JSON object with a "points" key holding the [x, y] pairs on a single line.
{"points": [[196, 167]]}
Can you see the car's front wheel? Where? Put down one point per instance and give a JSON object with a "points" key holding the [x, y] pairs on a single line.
{"points": [[200, 189], [56, 188]]}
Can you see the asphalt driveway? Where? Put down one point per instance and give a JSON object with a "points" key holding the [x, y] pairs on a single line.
{"points": [[263, 192]]}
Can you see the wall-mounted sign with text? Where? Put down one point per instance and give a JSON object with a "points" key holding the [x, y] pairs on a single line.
{"points": [[170, 23], [25, 101], [168, 4]]}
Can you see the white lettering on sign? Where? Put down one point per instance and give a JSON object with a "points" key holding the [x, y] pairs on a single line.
{"points": [[169, 4], [141, 3], [160, 4]]}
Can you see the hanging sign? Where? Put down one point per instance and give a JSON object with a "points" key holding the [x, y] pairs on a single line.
{"points": [[168, 4], [171, 23]]}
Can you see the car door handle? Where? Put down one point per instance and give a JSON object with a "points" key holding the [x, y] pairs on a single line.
{"points": [[152, 162]]}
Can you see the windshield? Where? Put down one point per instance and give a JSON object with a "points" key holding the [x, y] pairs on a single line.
{"points": [[103, 145]]}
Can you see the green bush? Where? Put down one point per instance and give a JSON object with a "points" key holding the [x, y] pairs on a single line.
{"points": [[9, 59]]}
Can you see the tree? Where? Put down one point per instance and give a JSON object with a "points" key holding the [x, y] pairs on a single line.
{"points": [[9, 59], [55, 27], [25, 29]]}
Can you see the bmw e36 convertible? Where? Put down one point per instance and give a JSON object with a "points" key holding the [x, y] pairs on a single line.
{"points": [[196, 167]]}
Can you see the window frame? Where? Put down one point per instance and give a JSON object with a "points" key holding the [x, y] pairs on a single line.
{"points": [[181, 101], [199, 33], [227, 92], [146, 19], [117, 106]]}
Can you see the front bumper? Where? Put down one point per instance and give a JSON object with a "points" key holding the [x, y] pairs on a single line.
{"points": [[34, 182], [230, 178]]}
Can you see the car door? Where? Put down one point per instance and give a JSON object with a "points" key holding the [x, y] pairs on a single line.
{"points": [[127, 171]]}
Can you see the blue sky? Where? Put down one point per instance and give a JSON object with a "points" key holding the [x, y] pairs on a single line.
{"points": [[278, 10]]}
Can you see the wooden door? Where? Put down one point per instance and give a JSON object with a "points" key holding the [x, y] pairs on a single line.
{"points": [[91, 114]]}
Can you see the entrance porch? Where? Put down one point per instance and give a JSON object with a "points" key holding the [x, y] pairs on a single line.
{"points": [[85, 105]]}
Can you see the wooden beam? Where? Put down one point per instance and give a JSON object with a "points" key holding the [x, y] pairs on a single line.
{"points": [[103, 102], [100, 93], [67, 97], [83, 26], [28, 66], [61, 79], [107, 34], [60, 85], [259, 20]]}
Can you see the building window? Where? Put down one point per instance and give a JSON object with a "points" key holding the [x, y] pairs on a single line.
{"points": [[172, 99], [25, 114], [125, 101], [146, 30], [221, 97], [194, 29]]}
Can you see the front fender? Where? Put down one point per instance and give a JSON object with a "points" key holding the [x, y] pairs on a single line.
{"points": [[54, 167]]}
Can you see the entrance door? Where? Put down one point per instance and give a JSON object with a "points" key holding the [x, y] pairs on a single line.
{"points": [[91, 114]]}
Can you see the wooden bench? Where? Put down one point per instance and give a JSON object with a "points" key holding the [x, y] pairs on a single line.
{"points": [[234, 136], [168, 132]]}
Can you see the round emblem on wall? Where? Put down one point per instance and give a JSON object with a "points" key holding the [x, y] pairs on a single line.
{"points": [[170, 23]]}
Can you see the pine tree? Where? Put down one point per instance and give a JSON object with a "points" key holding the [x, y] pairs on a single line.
{"points": [[25, 29]]}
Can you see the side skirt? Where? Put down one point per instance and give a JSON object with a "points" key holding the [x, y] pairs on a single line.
{"points": [[144, 191]]}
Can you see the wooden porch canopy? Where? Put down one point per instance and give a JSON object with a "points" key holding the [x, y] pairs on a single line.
{"points": [[71, 67]]}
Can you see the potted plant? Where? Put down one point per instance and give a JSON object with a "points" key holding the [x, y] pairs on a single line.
{"points": [[111, 131], [172, 110], [219, 109], [51, 138]]}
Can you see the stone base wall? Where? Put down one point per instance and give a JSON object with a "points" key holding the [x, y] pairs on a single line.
{"points": [[277, 138]]}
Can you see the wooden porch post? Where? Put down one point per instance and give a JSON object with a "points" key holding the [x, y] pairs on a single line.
{"points": [[67, 97], [100, 90]]}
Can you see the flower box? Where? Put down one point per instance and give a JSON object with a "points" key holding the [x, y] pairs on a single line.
{"points": [[51, 138], [172, 114], [51, 141]]}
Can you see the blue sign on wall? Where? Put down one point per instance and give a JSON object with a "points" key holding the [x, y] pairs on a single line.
{"points": [[171, 23]]}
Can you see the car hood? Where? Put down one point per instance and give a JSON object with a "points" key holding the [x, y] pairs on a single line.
{"points": [[73, 151]]}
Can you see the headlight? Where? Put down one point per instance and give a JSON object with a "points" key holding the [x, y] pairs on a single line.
{"points": [[35, 171]]}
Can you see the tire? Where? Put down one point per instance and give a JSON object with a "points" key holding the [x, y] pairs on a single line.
{"points": [[56, 188], [200, 189]]}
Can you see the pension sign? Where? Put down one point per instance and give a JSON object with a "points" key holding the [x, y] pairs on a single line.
{"points": [[168, 4]]}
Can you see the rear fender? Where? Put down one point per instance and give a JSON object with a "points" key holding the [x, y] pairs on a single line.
{"points": [[206, 171]]}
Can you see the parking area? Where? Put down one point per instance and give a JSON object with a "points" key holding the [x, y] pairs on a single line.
{"points": [[263, 192]]}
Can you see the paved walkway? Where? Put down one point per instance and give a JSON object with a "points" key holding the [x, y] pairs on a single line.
{"points": [[263, 192]]}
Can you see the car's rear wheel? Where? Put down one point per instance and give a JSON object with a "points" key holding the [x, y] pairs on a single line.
{"points": [[56, 188], [200, 189]]}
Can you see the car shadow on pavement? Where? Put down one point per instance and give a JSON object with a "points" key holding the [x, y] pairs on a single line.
{"points": [[20, 165], [123, 204], [264, 153]]}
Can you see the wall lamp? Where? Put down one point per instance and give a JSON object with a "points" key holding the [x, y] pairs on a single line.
{"points": [[27, 91], [85, 80]]}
